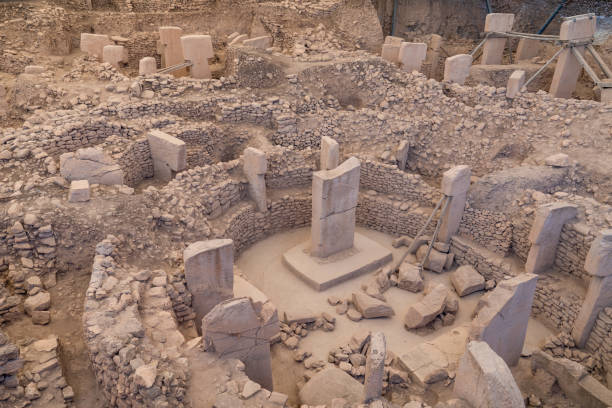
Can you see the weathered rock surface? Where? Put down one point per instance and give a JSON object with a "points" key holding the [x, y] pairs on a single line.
{"points": [[467, 280]]}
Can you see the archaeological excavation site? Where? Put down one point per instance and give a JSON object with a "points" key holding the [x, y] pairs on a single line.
{"points": [[306, 203]]}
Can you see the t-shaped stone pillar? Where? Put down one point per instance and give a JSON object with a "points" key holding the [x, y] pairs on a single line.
{"points": [[598, 264], [568, 68], [169, 154], [375, 367], [171, 48], [255, 166], [457, 68], [411, 56], [493, 49], [198, 49], [545, 234], [455, 184], [330, 153], [334, 201], [93, 44], [114, 54], [209, 272]]}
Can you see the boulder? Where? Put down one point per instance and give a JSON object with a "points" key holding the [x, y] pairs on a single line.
{"points": [[331, 383], [423, 312], [370, 307], [410, 277], [467, 280], [90, 164], [436, 260], [40, 301], [425, 363]]}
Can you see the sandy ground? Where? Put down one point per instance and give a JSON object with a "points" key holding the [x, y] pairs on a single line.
{"points": [[262, 265]]}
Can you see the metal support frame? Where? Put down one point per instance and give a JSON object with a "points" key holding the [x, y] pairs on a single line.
{"points": [[602, 64], [176, 67], [539, 71]]}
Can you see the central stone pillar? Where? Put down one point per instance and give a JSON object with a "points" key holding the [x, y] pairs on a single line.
{"points": [[198, 49], [171, 48], [255, 166], [334, 201], [455, 184], [493, 49]]}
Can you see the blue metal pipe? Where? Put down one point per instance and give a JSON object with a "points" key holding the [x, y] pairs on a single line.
{"points": [[489, 9], [393, 17], [552, 16]]}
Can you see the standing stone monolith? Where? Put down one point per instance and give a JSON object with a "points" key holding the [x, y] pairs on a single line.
{"points": [[390, 52], [503, 315], [330, 153], [235, 329], [484, 379], [401, 154], [255, 166], [209, 272], [147, 65], [171, 48], [457, 68], [198, 49], [515, 83], [411, 56], [334, 202], [455, 184], [114, 54], [93, 44], [545, 234], [598, 264], [568, 69], [375, 367], [527, 49], [433, 56], [493, 49], [168, 152]]}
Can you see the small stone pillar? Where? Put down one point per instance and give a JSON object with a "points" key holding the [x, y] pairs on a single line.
{"points": [[209, 272], [171, 48], [433, 56], [147, 65], [411, 56], [493, 49], [545, 234], [457, 68], [198, 49], [169, 154], [515, 83], [114, 54], [598, 264], [330, 153], [375, 367], [390, 52], [568, 68], [93, 44], [455, 184], [255, 167], [401, 154], [606, 93], [334, 202], [79, 191], [527, 49]]}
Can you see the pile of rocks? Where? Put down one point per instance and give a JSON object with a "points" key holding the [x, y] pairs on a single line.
{"points": [[38, 302], [562, 345], [294, 327], [351, 358], [10, 364], [33, 242], [438, 308]]}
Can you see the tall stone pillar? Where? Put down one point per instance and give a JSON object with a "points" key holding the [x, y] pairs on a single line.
{"points": [[330, 153], [334, 202], [171, 48], [198, 49], [209, 272], [375, 367], [114, 54], [455, 184], [599, 295], [401, 154], [568, 68], [169, 154], [527, 49], [493, 49], [255, 166], [457, 68], [545, 234], [411, 56], [433, 56]]}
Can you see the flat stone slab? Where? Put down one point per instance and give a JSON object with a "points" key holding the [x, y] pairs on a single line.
{"points": [[323, 273]]}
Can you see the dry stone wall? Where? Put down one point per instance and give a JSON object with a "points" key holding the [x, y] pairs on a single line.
{"points": [[487, 228], [600, 340], [555, 303], [489, 264]]}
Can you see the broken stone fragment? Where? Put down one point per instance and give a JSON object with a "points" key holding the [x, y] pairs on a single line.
{"points": [[410, 277], [467, 280], [370, 307], [40, 301], [425, 311], [145, 375]]}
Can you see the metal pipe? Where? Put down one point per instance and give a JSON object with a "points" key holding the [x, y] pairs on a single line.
{"points": [[552, 16], [393, 17], [602, 64], [489, 9], [484, 40], [586, 66], [524, 87]]}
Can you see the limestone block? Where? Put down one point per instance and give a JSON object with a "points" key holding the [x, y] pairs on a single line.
{"points": [[198, 49], [209, 272], [578, 28], [457, 68], [90, 164], [515, 83], [79, 191], [390, 52], [456, 180], [503, 315], [34, 69], [169, 153], [423, 312], [493, 49], [371, 308], [375, 367], [401, 154], [484, 380], [147, 65], [599, 296], [412, 55], [410, 277], [114, 54], [93, 44], [170, 46], [467, 280], [425, 363], [599, 258], [436, 260], [234, 329], [261, 43], [330, 383], [527, 49], [255, 167], [334, 200], [40, 301], [330, 153]]}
